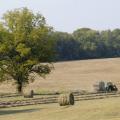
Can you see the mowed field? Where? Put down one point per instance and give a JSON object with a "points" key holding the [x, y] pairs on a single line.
{"points": [[75, 75], [102, 109]]}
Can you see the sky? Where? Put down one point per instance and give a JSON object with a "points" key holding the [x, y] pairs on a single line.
{"points": [[69, 15]]}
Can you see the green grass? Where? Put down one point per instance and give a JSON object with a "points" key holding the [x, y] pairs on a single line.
{"points": [[105, 109]]}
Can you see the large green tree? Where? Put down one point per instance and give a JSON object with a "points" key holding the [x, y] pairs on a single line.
{"points": [[25, 44]]}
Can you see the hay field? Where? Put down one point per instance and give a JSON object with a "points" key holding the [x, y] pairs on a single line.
{"points": [[75, 75], [103, 109]]}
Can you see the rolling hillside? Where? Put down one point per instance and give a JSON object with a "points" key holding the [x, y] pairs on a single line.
{"points": [[76, 75]]}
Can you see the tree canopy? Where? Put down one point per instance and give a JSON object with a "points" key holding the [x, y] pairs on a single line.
{"points": [[86, 43]]}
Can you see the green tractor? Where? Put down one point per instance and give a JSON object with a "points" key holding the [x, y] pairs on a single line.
{"points": [[110, 87]]}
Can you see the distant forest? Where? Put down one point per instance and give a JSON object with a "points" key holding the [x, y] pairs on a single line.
{"points": [[86, 43]]}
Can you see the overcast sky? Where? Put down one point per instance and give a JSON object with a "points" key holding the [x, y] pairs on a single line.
{"points": [[69, 15]]}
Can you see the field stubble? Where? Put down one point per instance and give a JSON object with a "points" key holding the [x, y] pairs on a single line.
{"points": [[75, 75]]}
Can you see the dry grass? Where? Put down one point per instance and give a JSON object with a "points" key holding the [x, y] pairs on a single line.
{"points": [[106, 109], [76, 75]]}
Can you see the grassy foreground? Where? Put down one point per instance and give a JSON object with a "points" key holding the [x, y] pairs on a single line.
{"points": [[104, 109]]}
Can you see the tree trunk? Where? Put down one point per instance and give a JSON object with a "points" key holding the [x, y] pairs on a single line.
{"points": [[19, 88]]}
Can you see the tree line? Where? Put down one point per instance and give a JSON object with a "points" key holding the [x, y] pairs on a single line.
{"points": [[86, 43]]}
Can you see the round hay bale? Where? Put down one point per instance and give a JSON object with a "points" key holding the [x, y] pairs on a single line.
{"points": [[102, 86], [29, 94], [66, 99]]}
